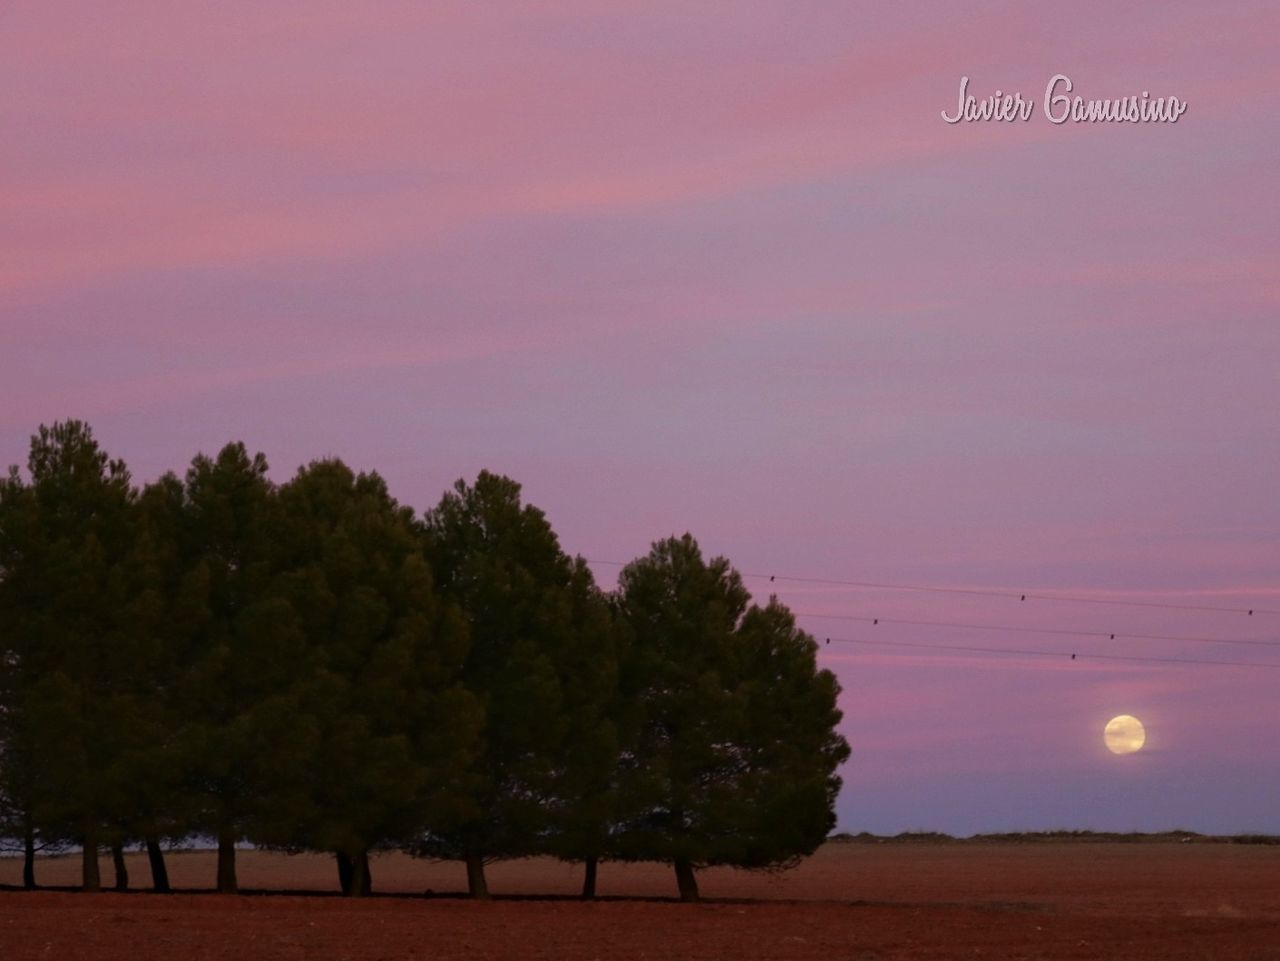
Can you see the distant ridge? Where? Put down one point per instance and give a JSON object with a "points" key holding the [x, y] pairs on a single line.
{"points": [[1110, 837]]}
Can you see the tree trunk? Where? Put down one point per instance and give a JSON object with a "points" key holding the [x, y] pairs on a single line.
{"points": [[366, 876], [589, 879], [226, 864], [354, 876], [686, 880], [29, 860], [121, 869], [90, 879], [477, 886], [159, 873], [344, 871], [358, 887]]}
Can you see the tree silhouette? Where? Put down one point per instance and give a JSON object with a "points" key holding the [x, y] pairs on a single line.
{"points": [[731, 748]]}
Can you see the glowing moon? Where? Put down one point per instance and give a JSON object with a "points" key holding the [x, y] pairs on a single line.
{"points": [[1124, 734]]}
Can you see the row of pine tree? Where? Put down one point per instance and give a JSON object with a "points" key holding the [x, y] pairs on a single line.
{"points": [[314, 666]]}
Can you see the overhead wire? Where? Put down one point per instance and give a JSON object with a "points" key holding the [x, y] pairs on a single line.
{"points": [[1067, 655], [989, 592], [999, 651], [1108, 635], [1019, 595]]}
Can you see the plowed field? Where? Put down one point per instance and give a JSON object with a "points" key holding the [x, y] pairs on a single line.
{"points": [[857, 901]]}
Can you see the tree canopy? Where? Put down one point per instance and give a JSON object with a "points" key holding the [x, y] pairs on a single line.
{"points": [[72, 695], [730, 749], [311, 666], [389, 730], [540, 663]]}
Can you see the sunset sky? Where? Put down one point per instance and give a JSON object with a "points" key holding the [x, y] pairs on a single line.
{"points": [[722, 267]]}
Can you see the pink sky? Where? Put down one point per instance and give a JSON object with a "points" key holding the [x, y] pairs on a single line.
{"points": [[720, 268]]}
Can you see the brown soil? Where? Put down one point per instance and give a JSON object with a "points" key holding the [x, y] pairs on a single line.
{"points": [[856, 901]]}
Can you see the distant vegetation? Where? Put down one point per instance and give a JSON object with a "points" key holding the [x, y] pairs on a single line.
{"points": [[314, 666], [1019, 837]]}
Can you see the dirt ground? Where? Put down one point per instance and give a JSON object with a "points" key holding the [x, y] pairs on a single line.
{"points": [[867, 902]]}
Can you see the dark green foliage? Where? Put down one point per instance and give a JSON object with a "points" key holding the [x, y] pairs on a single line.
{"points": [[731, 749], [541, 664], [242, 645], [18, 769], [309, 667], [386, 731], [584, 797], [74, 706], [149, 783]]}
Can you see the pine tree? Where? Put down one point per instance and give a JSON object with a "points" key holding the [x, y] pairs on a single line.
{"points": [[69, 690], [241, 654], [539, 663], [584, 787], [391, 729], [157, 619], [17, 768], [730, 748]]}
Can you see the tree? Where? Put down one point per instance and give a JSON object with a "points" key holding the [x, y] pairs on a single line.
{"points": [[242, 652], [17, 772], [584, 796], [391, 728], [70, 695], [730, 747], [539, 663], [157, 617]]}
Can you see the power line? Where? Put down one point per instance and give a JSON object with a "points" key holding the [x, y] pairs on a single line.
{"points": [[1108, 635], [1003, 651], [980, 592], [1021, 596], [1068, 655]]}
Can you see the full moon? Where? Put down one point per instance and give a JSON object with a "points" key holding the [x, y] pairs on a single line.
{"points": [[1124, 734]]}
